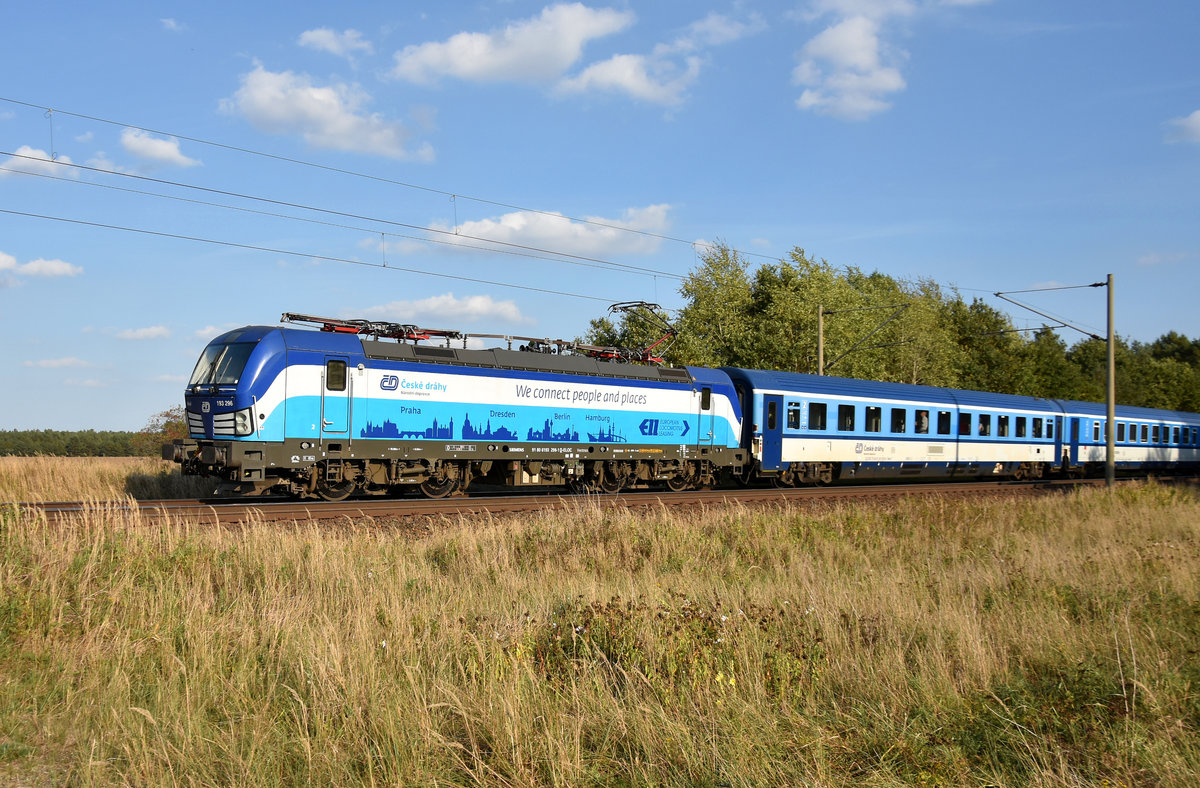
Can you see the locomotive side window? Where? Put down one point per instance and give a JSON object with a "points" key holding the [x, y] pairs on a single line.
{"points": [[899, 419], [964, 424], [816, 415], [793, 416], [1020, 426], [943, 422], [1037, 428], [985, 424], [335, 376], [706, 398], [845, 418], [1002, 426], [772, 415], [922, 425], [874, 419]]}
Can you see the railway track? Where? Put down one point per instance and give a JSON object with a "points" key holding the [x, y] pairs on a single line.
{"points": [[399, 511]]}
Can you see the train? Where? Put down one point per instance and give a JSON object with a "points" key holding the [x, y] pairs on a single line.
{"points": [[329, 408]]}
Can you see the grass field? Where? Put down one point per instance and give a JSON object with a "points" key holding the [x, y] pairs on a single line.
{"points": [[1047, 642], [94, 478]]}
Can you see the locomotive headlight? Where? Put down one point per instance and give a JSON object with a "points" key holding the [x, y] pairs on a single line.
{"points": [[243, 422]]}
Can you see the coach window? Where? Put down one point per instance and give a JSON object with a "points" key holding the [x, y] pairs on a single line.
{"points": [[772, 415], [1002, 426], [1096, 431], [922, 425], [793, 414], [1050, 429], [1020, 426], [1175, 434], [964, 424], [1154, 434], [335, 376], [845, 418], [1120, 432], [1037, 428], [874, 419], [943, 422], [1145, 434], [900, 420], [816, 415], [985, 424]]}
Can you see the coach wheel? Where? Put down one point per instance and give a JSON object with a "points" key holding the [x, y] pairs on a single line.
{"points": [[335, 492], [438, 488]]}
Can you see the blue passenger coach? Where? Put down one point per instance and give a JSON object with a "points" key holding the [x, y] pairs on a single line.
{"points": [[815, 429]]}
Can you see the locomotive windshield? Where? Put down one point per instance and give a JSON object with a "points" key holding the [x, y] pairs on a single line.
{"points": [[221, 364]]}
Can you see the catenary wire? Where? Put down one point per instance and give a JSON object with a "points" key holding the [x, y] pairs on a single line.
{"points": [[378, 178], [292, 253], [548, 256], [331, 212]]}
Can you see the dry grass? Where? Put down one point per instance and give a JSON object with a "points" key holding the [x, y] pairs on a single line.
{"points": [[32, 479], [926, 642]]}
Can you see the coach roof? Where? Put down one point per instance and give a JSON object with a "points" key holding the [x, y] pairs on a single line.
{"points": [[834, 387]]}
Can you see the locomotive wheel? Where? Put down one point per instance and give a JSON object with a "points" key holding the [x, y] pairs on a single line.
{"points": [[678, 484], [339, 492], [437, 488], [610, 484]]}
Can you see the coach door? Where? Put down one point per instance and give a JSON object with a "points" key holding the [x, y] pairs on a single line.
{"points": [[1074, 441], [772, 449], [335, 399]]}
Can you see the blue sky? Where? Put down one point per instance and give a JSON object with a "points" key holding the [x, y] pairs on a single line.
{"points": [[988, 146]]}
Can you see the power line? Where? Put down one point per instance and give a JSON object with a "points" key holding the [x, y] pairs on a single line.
{"points": [[527, 254], [378, 178], [292, 253], [225, 193]]}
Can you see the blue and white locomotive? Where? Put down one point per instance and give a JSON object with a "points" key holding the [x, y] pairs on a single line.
{"points": [[365, 408], [343, 410]]}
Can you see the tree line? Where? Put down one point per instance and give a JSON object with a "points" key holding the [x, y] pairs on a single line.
{"points": [[766, 318], [161, 428]]}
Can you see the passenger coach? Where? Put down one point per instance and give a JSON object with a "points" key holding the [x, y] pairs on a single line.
{"points": [[815, 429]]}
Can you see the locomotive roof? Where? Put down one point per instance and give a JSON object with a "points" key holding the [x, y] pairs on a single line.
{"points": [[497, 358]]}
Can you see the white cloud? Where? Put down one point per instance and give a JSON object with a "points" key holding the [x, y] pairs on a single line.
{"points": [[850, 70], [48, 268], [150, 332], [209, 332], [144, 146], [656, 80], [443, 311], [343, 44], [538, 50], [844, 71], [85, 137], [90, 383], [1185, 129], [599, 236], [58, 363], [38, 162], [663, 76], [1160, 258], [173, 26], [39, 267], [330, 117]]}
